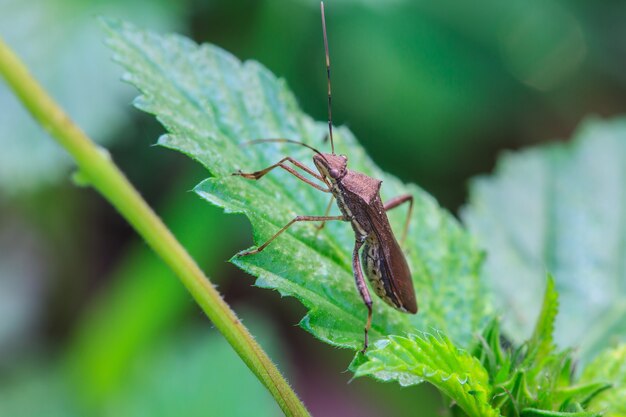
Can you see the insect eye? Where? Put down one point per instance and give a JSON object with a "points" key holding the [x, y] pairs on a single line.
{"points": [[334, 173]]}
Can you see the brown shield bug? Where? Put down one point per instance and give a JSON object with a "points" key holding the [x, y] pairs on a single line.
{"points": [[358, 198]]}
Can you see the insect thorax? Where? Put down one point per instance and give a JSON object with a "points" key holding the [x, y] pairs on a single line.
{"points": [[361, 231], [354, 193]]}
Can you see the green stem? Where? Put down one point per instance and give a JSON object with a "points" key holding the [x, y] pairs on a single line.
{"points": [[98, 168]]}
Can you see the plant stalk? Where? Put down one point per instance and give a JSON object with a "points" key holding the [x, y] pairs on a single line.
{"points": [[96, 166]]}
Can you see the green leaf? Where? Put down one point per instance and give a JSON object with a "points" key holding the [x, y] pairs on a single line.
{"points": [[211, 104], [490, 353], [609, 367], [519, 388], [533, 376], [68, 58], [581, 394], [541, 343], [559, 207], [534, 412], [434, 359], [193, 374]]}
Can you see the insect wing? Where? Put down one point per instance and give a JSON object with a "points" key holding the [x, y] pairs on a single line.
{"points": [[392, 259]]}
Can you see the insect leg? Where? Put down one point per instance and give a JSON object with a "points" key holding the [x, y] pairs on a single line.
{"points": [[281, 164], [296, 219], [362, 287], [395, 202], [326, 213]]}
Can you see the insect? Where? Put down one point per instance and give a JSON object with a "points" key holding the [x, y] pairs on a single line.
{"points": [[358, 198]]}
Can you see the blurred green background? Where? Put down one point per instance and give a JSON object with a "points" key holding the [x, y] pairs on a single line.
{"points": [[91, 323]]}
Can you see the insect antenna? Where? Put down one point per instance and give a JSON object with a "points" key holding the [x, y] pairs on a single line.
{"points": [[330, 115]]}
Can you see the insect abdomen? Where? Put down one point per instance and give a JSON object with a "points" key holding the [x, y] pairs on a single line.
{"points": [[377, 273]]}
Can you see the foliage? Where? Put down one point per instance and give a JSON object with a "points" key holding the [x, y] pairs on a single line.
{"points": [[122, 324], [579, 220], [610, 367], [65, 64], [561, 208], [433, 359], [535, 378], [211, 104], [531, 380], [194, 371]]}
